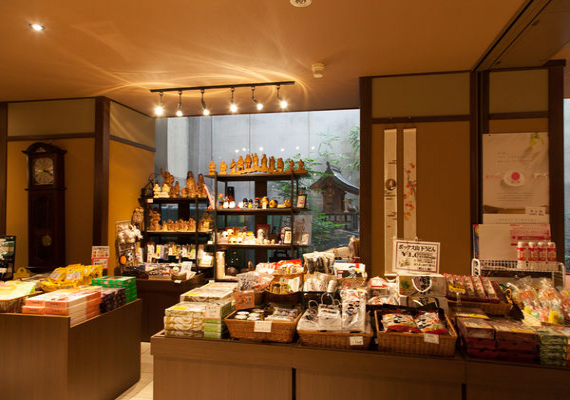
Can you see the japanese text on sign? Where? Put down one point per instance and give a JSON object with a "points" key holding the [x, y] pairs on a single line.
{"points": [[415, 256]]}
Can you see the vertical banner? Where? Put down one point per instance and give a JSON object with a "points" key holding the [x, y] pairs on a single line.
{"points": [[390, 196], [410, 184]]}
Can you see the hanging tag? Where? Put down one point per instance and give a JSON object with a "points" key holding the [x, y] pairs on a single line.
{"points": [[356, 341], [431, 338], [262, 326]]}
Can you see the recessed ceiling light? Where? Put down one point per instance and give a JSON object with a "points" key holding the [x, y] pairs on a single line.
{"points": [[37, 27], [301, 3]]}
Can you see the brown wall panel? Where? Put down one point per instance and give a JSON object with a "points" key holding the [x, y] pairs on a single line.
{"points": [[444, 199]]}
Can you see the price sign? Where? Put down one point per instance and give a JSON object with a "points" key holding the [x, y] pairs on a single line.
{"points": [[431, 338], [356, 341], [262, 326], [416, 256]]}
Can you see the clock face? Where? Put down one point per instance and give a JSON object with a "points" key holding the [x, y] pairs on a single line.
{"points": [[43, 171]]}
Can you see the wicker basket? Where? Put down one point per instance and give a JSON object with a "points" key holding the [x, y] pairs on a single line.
{"points": [[414, 343], [286, 299], [502, 309], [281, 331], [336, 340], [12, 305]]}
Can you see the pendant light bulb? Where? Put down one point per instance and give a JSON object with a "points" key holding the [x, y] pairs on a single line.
{"points": [[159, 110], [233, 106], [205, 110], [258, 105], [282, 103], [179, 112]]}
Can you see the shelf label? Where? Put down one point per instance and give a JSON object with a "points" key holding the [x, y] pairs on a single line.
{"points": [[177, 281], [149, 201], [431, 338], [262, 326], [356, 341]]}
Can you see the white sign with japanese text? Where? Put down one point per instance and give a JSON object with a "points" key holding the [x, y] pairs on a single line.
{"points": [[416, 256]]}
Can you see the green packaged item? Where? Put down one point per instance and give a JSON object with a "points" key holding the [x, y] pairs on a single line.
{"points": [[215, 335], [214, 327]]}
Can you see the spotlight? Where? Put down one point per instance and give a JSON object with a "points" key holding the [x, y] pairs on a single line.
{"points": [[282, 103], [159, 110], [37, 27], [233, 106], [205, 110], [257, 104], [179, 112]]}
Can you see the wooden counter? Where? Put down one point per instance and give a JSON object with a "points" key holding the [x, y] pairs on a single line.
{"points": [[41, 357], [158, 295], [235, 369]]}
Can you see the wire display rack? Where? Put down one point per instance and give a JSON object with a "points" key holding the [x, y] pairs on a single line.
{"points": [[512, 269]]}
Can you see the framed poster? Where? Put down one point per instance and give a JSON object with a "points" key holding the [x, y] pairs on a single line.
{"points": [[515, 178]]}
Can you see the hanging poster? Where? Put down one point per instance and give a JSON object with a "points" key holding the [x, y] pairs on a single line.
{"points": [[515, 178], [416, 256], [390, 193], [410, 184]]}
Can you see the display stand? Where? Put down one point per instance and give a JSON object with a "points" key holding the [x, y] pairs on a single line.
{"points": [[158, 295], [252, 370], [44, 358]]}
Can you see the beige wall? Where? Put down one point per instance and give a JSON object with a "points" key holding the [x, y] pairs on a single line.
{"points": [[129, 170], [131, 125], [51, 117], [79, 164]]}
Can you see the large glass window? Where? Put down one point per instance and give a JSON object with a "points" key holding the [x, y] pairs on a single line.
{"points": [[567, 183], [327, 141]]}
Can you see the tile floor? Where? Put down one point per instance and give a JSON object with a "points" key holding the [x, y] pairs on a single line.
{"points": [[142, 390]]}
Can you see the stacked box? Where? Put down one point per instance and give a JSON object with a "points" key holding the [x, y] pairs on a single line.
{"points": [[112, 298], [126, 282], [185, 320], [79, 304], [553, 346], [210, 292], [516, 342], [479, 337], [214, 325]]}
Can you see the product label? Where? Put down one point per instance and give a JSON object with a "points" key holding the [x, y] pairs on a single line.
{"points": [[356, 341], [262, 326], [149, 201], [536, 211], [431, 338]]}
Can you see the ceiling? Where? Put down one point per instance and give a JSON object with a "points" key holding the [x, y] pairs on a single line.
{"points": [[121, 49]]}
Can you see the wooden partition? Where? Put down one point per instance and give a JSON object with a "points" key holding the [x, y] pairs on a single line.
{"points": [[43, 358], [439, 106]]}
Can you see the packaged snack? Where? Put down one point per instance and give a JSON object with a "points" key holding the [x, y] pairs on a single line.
{"points": [[475, 328], [399, 322], [429, 322]]}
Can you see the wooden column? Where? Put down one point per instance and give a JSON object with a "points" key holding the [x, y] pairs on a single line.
{"points": [[3, 164], [365, 170], [101, 180], [556, 153]]}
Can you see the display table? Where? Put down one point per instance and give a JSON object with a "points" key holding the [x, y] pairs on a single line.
{"points": [[217, 369], [157, 296], [43, 358]]}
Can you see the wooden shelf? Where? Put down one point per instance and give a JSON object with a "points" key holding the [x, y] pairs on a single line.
{"points": [[259, 246], [176, 233], [255, 177], [259, 211], [177, 200]]}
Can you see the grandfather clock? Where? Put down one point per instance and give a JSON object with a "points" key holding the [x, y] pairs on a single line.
{"points": [[46, 207]]}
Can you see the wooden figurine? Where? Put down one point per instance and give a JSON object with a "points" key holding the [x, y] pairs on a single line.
{"points": [[301, 169], [175, 193], [201, 187], [190, 184], [168, 177], [212, 168], [137, 219], [255, 166], [263, 167], [191, 225], [271, 168], [240, 164], [165, 191], [247, 163], [280, 165], [291, 168], [156, 190], [233, 167], [223, 168], [154, 220]]}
